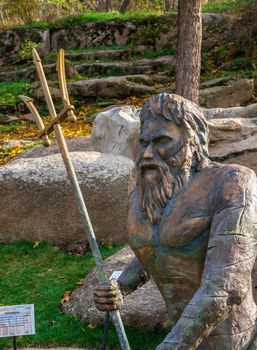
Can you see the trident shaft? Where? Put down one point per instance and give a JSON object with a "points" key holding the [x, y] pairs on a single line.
{"points": [[44, 132]]}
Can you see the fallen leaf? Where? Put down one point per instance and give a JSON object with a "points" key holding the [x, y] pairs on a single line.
{"points": [[36, 244], [80, 282], [66, 297]]}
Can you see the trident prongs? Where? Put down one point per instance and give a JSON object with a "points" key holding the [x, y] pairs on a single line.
{"points": [[63, 86], [29, 103]]}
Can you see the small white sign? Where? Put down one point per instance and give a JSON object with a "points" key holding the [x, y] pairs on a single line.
{"points": [[17, 320], [115, 275]]}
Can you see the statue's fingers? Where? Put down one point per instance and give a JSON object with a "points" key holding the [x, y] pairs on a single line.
{"points": [[106, 294], [102, 300], [105, 288]]}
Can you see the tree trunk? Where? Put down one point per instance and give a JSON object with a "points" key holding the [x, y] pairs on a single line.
{"points": [[189, 49], [124, 6]]}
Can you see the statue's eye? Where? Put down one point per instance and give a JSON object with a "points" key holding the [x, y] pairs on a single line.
{"points": [[163, 139]]}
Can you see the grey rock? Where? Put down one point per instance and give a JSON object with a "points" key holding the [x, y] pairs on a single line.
{"points": [[14, 39], [75, 144], [31, 74], [234, 93], [37, 203], [125, 68], [116, 131], [229, 130], [98, 55], [108, 87], [217, 22], [143, 309], [215, 82], [248, 159], [16, 143], [234, 112]]}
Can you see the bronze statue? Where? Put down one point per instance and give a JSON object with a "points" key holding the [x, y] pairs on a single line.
{"points": [[192, 225]]}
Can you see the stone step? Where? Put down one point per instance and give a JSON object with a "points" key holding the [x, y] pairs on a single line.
{"points": [[31, 74], [94, 69], [143, 66], [99, 55]]}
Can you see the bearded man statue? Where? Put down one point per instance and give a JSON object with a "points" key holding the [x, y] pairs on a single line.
{"points": [[192, 226]]}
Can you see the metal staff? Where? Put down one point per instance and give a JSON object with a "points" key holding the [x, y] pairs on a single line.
{"points": [[54, 125]]}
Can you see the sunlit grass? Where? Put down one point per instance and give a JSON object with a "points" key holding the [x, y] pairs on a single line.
{"points": [[40, 276]]}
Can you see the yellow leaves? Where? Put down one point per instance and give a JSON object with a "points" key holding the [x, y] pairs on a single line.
{"points": [[79, 283], [78, 128], [90, 326], [8, 155], [109, 245], [36, 244], [66, 297]]}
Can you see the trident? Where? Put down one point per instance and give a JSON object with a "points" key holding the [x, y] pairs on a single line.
{"points": [[55, 126]]}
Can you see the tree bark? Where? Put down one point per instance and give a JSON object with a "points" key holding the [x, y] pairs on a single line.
{"points": [[189, 49], [124, 6]]}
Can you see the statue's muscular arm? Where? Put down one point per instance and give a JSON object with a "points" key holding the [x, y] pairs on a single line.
{"points": [[231, 253], [132, 277]]}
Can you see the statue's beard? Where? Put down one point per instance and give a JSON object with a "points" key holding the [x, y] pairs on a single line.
{"points": [[159, 182]]}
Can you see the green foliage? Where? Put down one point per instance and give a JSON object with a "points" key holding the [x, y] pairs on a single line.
{"points": [[29, 11], [41, 275], [228, 6], [154, 54], [220, 54], [240, 63], [101, 16], [206, 66], [24, 54], [10, 91]]}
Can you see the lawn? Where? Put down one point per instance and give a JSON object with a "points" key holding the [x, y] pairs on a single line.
{"points": [[231, 6], [40, 274]]}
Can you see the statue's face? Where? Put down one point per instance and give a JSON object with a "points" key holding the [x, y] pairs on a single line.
{"points": [[161, 158], [159, 140]]}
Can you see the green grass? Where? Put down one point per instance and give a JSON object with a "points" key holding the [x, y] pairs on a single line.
{"points": [[10, 92], [222, 6], [40, 276], [69, 21]]}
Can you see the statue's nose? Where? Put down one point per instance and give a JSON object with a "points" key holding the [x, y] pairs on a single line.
{"points": [[148, 153]]}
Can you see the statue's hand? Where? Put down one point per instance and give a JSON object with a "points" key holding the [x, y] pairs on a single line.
{"points": [[108, 297]]}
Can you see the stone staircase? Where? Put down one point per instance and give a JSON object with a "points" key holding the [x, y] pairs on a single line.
{"points": [[101, 73]]}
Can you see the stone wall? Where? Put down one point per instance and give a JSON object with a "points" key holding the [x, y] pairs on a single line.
{"points": [[155, 32]]}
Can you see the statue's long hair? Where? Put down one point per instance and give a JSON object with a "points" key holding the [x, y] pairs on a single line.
{"points": [[186, 115]]}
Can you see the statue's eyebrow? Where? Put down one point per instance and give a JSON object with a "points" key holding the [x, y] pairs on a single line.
{"points": [[161, 133]]}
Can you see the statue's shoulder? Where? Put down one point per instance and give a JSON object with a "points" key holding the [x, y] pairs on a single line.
{"points": [[232, 182]]}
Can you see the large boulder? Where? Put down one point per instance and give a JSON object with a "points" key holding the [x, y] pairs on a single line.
{"points": [[37, 202], [116, 131], [143, 309], [112, 87], [233, 93], [74, 144]]}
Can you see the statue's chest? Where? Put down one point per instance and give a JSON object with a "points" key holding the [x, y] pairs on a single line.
{"points": [[181, 225]]}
